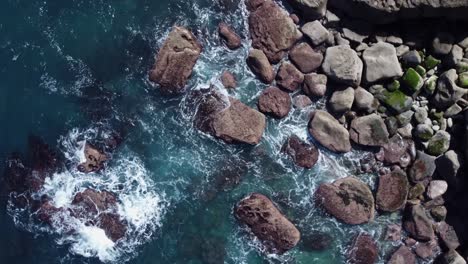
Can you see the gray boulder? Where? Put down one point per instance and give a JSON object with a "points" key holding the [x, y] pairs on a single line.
{"points": [[363, 100], [329, 132], [316, 32], [448, 166], [343, 65], [442, 44], [310, 9], [381, 62], [452, 257], [369, 130], [423, 167], [342, 101], [315, 85], [439, 143], [448, 92]]}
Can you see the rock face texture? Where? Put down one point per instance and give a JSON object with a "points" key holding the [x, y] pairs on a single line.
{"points": [[94, 159], [417, 223], [343, 65], [392, 191], [175, 61], [229, 119], [349, 200], [384, 11], [289, 77], [303, 154], [311, 9], [272, 30], [260, 66], [381, 62], [364, 250], [369, 130], [267, 222], [305, 58], [329, 132], [275, 102]]}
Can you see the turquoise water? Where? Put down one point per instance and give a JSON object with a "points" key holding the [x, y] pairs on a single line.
{"points": [[75, 70]]}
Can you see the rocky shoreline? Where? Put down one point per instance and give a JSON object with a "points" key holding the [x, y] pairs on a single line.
{"points": [[404, 97]]}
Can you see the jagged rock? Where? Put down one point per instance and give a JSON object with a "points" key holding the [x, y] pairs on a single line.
{"points": [[315, 85], [305, 58], [114, 228], [402, 256], [230, 37], [272, 30], [228, 80], [267, 222], [381, 62], [436, 188], [343, 65], [260, 66], [439, 143], [417, 223], [316, 32], [423, 167], [175, 61], [384, 12], [363, 100], [329, 132], [369, 130], [392, 191], [342, 101], [94, 159], [363, 250], [289, 77], [448, 92], [229, 119], [311, 9], [90, 203], [275, 102], [348, 199], [302, 153]]}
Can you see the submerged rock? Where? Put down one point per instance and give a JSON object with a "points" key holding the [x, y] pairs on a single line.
{"points": [[275, 102], [369, 130], [267, 222], [363, 250], [94, 159], [349, 200], [113, 226], [317, 241], [228, 80], [302, 153], [329, 132], [229, 119], [343, 65], [272, 30], [175, 60], [230, 37], [392, 191]]}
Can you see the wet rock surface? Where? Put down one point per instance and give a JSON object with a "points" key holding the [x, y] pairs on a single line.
{"points": [[274, 102], [363, 250], [302, 153], [392, 191]]}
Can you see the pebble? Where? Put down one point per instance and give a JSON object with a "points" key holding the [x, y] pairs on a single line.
{"points": [[435, 128]]}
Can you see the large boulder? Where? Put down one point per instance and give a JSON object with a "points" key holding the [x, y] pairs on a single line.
{"points": [[329, 132], [229, 119], [272, 30], [275, 102], [341, 101], [310, 9], [343, 65], [392, 191], [381, 62], [384, 11], [260, 66], [305, 58], [315, 85], [397, 151], [417, 223], [302, 153], [349, 200], [363, 250], [402, 256], [267, 222], [289, 77], [369, 130], [175, 60], [94, 159]]}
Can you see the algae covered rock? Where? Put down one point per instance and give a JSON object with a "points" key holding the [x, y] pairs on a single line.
{"points": [[439, 143], [397, 101], [412, 80]]}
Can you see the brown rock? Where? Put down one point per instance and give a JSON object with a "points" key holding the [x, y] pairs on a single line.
{"points": [[289, 77], [228, 80], [417, 223], [305, 58], [348, 199], [369, 130], [427, 250], [301, 101], [315, 85], [397, 151], [275, 102], [364, 250], [402, 256], [267, 223], [175, 61], [392, 191], [113, 226], [448, 235], [94, 159], [303, 154], [231, 39], [260, 66], [90, 202], [272, 30]]}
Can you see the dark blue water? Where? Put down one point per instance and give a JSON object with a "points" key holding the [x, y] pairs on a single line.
{"points": [[75, 70]]}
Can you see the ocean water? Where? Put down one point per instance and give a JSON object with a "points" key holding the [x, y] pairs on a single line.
{"points": [[74, 71]]}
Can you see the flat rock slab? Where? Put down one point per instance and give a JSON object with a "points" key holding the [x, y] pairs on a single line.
{"points": [[329, 132], [349, 200], [260, 214], [381, 62], [175, 61]]}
